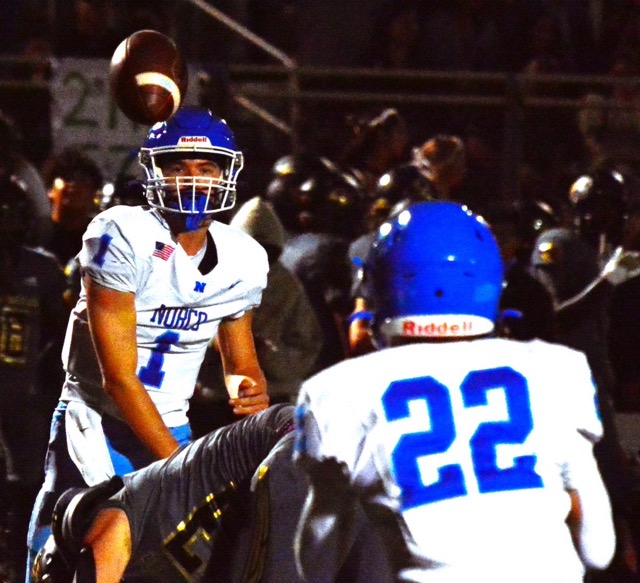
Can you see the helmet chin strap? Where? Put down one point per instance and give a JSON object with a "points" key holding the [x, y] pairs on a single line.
{"points": [[194, 221]]}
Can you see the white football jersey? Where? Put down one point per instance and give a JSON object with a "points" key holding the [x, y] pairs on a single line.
{"points": [[471, 445], [179, 309]]}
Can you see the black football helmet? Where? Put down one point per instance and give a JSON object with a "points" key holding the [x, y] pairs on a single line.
{"points": [[400, 186], [533, 217], [308, 193], [518, 224], [294, 176], [299, 166], [600, 202], [16, 211], [339, 206], [404, 182]]}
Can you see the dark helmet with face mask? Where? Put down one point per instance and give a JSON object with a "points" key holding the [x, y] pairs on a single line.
{"points": [[600, 206]]}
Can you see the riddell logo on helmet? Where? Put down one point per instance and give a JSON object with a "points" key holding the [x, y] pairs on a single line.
{"points": [[193, 140], [437, 326], [411, 328]]}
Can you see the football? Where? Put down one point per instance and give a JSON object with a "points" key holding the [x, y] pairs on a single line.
{"points": [[148, 77]]}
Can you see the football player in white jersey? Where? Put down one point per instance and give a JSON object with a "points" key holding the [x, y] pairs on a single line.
{"points": [[159, 283], [473, 454]]}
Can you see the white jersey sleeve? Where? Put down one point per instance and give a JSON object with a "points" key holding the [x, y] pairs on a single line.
{"points": [[108, 257]]}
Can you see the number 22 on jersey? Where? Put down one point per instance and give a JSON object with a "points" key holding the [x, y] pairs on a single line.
{"points": [[452, 482]]}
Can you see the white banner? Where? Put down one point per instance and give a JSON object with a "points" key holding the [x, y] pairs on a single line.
{"points": [[83, 115]]}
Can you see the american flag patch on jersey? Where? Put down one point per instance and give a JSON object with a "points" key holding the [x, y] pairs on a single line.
{"points": [[163, 250]]}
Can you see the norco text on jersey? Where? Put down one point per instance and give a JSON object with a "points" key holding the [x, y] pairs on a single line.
{"points": [[179, 318]]}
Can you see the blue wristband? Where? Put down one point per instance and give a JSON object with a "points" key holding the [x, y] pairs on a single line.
{"points": [[364, 315]]}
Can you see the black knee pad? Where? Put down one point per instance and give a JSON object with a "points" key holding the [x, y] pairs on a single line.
{"points": [[74, 512]]}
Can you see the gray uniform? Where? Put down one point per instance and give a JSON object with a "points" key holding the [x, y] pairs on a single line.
{"points": [[225, 509], [178, 507]]}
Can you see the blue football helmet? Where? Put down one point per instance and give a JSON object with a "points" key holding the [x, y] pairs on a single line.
{"points": [[193, 132], [435, 270]]}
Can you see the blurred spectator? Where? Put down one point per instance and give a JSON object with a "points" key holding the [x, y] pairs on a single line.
{"points": [[201, 38], [277, 21], [32, 325], [11, 12], [332, 33], [564, 30], [526, 307], [626, 31], [319, 258], [74, 181], [394, 42], [610, 123], [38, 47], [86, 29], [512, 18], [485, 153], [143, 14], [552, 145], [442, 159], [287, 334], [461, 35], [379, 141], [607, 19], [14, 162], [548, 52]]}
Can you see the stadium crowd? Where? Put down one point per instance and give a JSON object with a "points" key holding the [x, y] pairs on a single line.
{"points": [[570, 239]]}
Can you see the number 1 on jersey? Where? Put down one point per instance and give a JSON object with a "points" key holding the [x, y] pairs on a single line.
{"points": [[152, 374]]}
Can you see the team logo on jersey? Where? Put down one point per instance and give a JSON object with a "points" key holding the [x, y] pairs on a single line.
{"points": [[199, 286], [163, 250]]}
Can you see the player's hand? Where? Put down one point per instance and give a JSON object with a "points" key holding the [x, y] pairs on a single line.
{"points": [[252, 395]]}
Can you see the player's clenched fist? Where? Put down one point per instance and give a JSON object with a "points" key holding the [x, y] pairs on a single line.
{"points": [[247, 395]]}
